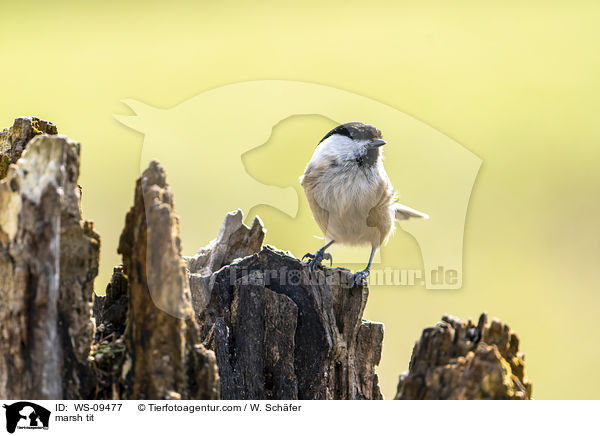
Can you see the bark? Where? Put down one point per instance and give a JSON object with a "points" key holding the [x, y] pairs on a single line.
{"points": [[278, 331], [461, 360]]}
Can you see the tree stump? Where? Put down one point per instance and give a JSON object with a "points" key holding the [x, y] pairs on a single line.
{"points": [[458, 360], [238, 320], [278, 331], [48, 261], [151, 350]]}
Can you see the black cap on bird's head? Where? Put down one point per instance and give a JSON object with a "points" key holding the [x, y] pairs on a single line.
{"points": [[358, 132]]}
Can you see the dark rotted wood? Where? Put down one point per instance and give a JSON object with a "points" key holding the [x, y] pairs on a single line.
{"points": [[280, 332]]}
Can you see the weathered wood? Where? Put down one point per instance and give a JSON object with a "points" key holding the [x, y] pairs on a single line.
{"points": [[48, 260], [236, 321], [111, 309], [461, 360], [14, 139], [158, 355], [109, 350], [278, 331], [79, 259]]}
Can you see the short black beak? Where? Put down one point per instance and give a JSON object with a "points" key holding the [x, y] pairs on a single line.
{"points": [[376, 143]]}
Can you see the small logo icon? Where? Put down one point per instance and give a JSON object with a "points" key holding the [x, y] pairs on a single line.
{"points": [[26, 415]]}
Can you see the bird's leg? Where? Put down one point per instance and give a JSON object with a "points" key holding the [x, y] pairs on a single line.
{"points": [[318, 257], [361, 276]]}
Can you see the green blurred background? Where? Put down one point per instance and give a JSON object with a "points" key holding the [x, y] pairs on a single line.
{"points": [[514, 82]]}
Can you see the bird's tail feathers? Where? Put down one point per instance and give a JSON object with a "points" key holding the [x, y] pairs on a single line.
{"points": [[404, 212]]}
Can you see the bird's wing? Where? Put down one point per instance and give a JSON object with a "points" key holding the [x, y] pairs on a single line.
{"points": [[309, 181], [404, 212]]}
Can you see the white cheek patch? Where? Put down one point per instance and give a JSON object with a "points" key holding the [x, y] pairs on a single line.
{"points": [[338, 147]]}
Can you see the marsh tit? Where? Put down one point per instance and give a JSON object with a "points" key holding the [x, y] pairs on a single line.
{"points": [[350, 194]]}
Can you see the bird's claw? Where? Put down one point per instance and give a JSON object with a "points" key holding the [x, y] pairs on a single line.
{"points": [[360, 277], [317, 258]]}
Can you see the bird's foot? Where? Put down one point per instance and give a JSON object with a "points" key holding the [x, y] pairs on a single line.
{"points": [[360, 277], [317, 258]]}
